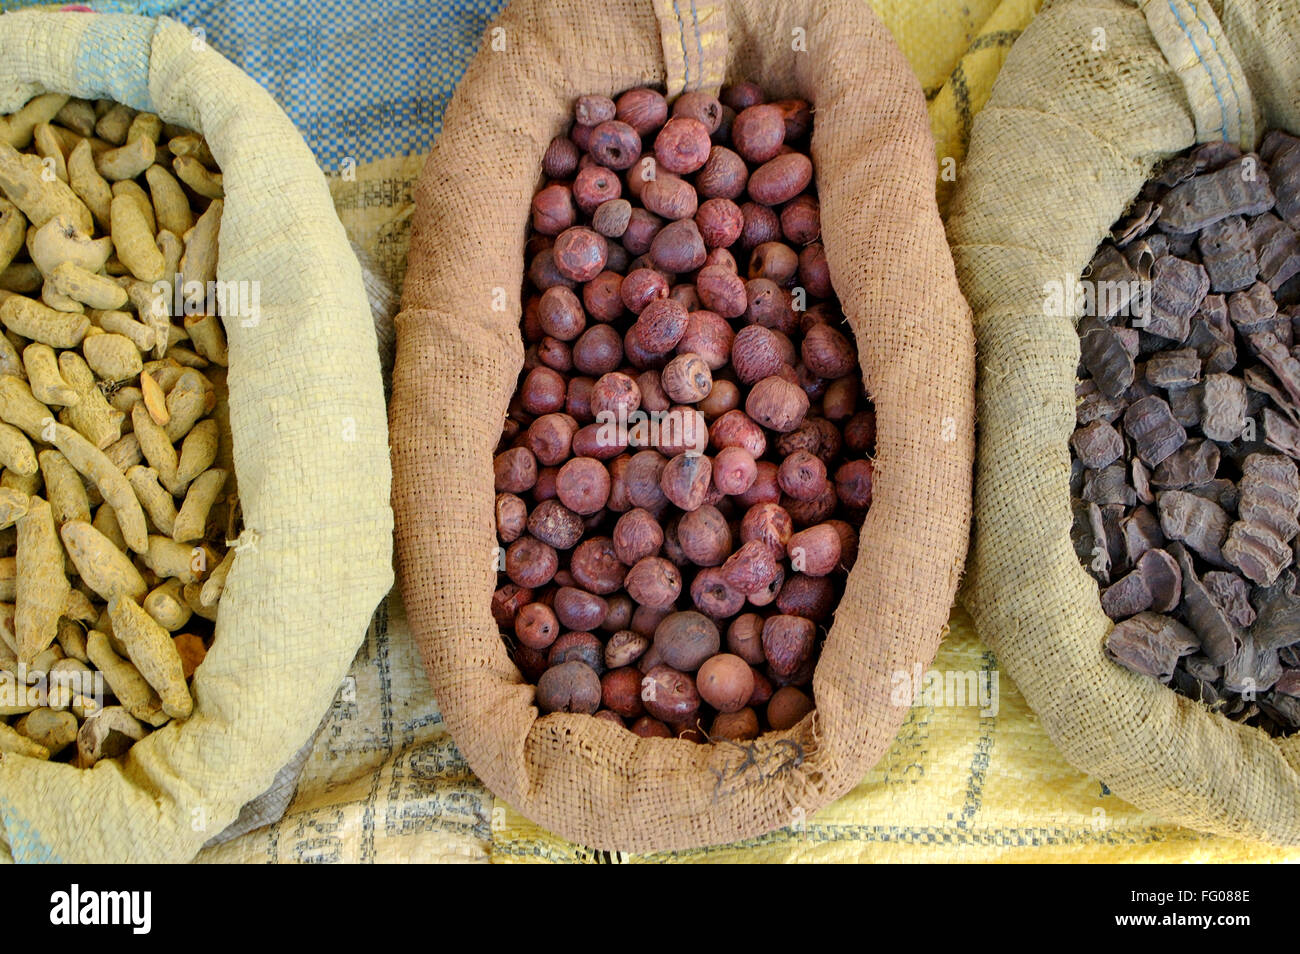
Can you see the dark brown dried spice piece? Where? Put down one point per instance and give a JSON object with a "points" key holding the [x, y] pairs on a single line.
{"points": [[1142, 482], [1155, 433], [1141, 217], [1278, 360], [1195, 521], [1212, 336], [1177, 289], [1277, 623], [1185, 403], [1196, 462], [1283, 156], [1174, 370], [1276, 248], [1096, 406], [1220, 638], [1141, 531], [1235, 189], [1108, 486], [1228, 254], [1223, 407], [1253, 310], [1281, 434], [1256, 552], [1232, 593], [1150, 644], [1126, 597], [1163, 578], [1097, 445], [1110, 270], [1104, 355]]}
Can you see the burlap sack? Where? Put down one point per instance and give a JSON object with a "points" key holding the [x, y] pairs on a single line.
{"points": [[458, 360], [1094, 93], [310, 451]]}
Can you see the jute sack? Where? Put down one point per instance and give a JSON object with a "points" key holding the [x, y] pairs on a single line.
{"points": [[310, 452], [458, 360], [1092, 96]]}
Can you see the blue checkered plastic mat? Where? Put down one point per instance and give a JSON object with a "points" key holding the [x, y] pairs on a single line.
{"points": [[363, 79]]}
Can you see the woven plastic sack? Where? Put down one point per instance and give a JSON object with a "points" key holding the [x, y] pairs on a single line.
{"points": [[458, 360], [1091, 97], [310, 451]]}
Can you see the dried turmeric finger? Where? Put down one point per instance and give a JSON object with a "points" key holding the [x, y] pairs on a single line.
{"points": [[19, 408], [115, 124], [157, 501], [198, 451], [199, 177], [125, 453], [150, 648], [77, 115], [192, 518], [199, 263], [148, 125], [112, 357], [64, 489], [72, 638], [15, 743], [166, 604], [121, 323], [112, 483], [155, 445], [96, 291], [23, 181], [186, 402], [51, 729], [50, 148], [42, 588], [16, 453], [14, 504], [132, 690], [133, 240], [13, 232], [208, 337], [88, 185], [31, 319], [215, 584], [17, 128], [106, 523], [171, 205], [127, 161], [129, 187], [104, 568], [45, 378], [194, 601], [97, 420], [168, 558]]}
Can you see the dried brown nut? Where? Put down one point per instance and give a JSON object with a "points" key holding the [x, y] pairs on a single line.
{"points": [[761, 225], [599, 350], [643, 109], [579, 253], [765, 489], [699, 106], [777, 404], [595, 186], [515, 470], [642, 479], [709, 336], [723, 176], [555, 524], [579, 610], [682, 145], [758, 132], [814, 271], [641, 229], [550, 437], [543, 391], [812, 597], [853, 483], [745, 638], [531, 563], [624, 648], [801, 220], [705, 536], [685, 480], [721, 291], [774, 261], [677, 247], [536, 625], [787, 708], [615, 394], [670, 695], [507, 601], [569, 687], [577, 647], [620, 691], [734, 470], [802, 476], [769, 306], [654, 582], [1178, 287], [738, 726], [641, 287], [815, 551], [512, 517], [637, 535], [827, 352], [560, 160], [686, 378], [553, 210], [583, 485], [661, 325], [780, 179], [593, 110], [751, 568], [615, 144], [720, 222], [611, 217], [671, 197], [596, 567], [714, 596], [686, 639], [648, 728], [559, 313], [725, 682], [788, 642]]}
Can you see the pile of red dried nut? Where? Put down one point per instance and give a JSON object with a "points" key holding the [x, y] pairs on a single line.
{"points": [[686, 460]]}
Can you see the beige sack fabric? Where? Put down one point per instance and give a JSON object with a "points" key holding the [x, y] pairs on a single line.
{"points": [[1091, 97], [310, 451], [458, 361]]}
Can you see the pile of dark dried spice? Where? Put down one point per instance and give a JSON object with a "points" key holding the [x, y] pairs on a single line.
{"points": [[1185, 486]]}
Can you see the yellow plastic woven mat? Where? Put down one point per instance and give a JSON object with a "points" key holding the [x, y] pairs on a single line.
{"points": [[961, 783]]}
